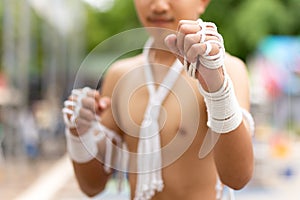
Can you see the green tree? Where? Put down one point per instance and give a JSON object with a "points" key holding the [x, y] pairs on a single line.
{"points": [[244, 24], [102, 25]]}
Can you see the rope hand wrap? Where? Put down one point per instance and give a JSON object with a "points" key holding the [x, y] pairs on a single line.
{"points": [[83, 149], [73, 107], [207, 60], [223, 110]]}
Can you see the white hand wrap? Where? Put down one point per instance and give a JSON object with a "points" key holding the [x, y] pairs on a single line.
{"points": [[206, 60], [83, 149], [249, 119], [75, 105], [223, 110]]}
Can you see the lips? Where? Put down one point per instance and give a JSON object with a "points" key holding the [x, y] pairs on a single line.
{"points": [[160, 20]]}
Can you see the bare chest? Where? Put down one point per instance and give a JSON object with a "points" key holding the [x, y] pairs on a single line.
{"points": [[180, 114]]}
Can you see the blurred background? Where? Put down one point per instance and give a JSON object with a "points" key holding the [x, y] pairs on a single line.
{"points": [[44, 42]]}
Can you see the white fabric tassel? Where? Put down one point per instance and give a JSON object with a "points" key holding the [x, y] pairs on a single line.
{"points": [[149, 161]]}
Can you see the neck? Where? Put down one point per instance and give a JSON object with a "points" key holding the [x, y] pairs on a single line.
{"points": [[161, 61], [160, 54]]}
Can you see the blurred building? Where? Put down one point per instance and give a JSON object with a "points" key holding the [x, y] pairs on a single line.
{"points": [[275, 98], [275, 80], [42, 50]]}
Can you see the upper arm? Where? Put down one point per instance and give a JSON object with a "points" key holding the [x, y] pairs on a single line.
{"points": [[237, 71], [109, 118]]}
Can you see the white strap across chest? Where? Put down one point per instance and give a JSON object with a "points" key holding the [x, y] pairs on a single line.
{"points": [[149, 179]]}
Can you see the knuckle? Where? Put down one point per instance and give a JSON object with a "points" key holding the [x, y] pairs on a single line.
{"points": [[189, 38], [87, 102], [185, 28], [194, 48], [215, 49], [81, 112]]}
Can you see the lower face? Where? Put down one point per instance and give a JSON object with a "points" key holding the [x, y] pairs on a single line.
{"points": [[167, 21]]}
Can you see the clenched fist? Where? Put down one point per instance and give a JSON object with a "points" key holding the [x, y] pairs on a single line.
{"points": [[83, 108], [201, 49]]}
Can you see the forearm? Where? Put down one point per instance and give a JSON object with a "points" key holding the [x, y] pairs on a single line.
{"points": [[91, 177], [234, 157], [233, 151], [86, 157], [203, 52], [89, 143], [90, 172]]}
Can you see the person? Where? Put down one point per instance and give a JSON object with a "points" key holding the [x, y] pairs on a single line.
{"points": [[163, 119]]}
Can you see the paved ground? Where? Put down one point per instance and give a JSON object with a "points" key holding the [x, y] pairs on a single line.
{"points": [[46, 180], [54, 180]]}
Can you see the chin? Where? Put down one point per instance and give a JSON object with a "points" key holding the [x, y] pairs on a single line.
{"points": [[159, 32]]}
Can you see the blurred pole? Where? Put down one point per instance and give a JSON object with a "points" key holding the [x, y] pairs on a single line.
{"points": [[63, 43], [16, 59], [63, 48], [24, 50], [9, 66], [50, 58], [9, 55], [76, 49], [16, 45]]}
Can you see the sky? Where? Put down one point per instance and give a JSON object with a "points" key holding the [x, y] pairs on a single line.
{"points": [[101, 5]]}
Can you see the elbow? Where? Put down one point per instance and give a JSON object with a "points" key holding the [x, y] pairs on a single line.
{"points": [[92, 191], [238, 181], [239, 184]]}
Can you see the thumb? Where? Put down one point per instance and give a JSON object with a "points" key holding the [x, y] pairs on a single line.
{"points": [[104, 103], [170, 42]]}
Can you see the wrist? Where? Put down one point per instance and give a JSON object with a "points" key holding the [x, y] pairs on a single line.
{"points": [[211, 80], [81, 149], [223, 110], [74, 132]]}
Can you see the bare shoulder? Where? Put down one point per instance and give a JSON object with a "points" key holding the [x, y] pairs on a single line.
{"points": [[235, 66], [238, 73], [117, 70]]}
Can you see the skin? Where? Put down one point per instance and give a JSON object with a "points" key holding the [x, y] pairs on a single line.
{"points": [[122, 103]]}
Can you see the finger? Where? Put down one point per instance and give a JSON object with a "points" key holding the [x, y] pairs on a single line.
{"points": [[104, 103], [190, 40], [212, 38], [215, 35], [82, 125], [185, 27], [183, 30], [72, 98], [181, 22], [212, 48], [202, 49], [86, 115], [70, 104], [170, 42], [89, 103], [210, 26], [213, 58], [93, 93], [194, 51]]}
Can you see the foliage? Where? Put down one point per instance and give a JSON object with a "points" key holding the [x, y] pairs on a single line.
{"points": [[243, 23], [101, 25]]}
